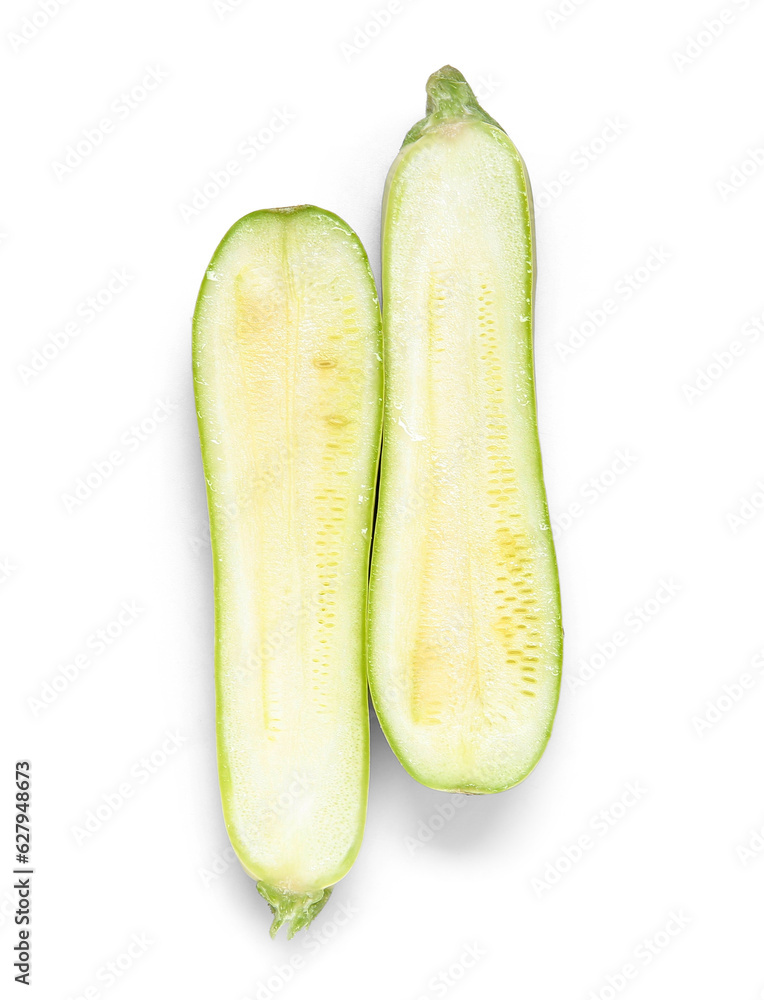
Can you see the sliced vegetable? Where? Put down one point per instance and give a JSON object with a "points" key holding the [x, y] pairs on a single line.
{"points": [[465, 624], [288, 380]]}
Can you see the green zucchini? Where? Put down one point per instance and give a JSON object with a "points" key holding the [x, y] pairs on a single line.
{"points": [[465, 623], [288, 384]]}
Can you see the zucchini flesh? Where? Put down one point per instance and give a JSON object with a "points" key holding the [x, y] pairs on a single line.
{"points": [[465, 621], [288, 380]]}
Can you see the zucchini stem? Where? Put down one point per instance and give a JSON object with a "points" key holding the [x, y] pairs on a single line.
{"points": [[296, 908], [449, 99]]}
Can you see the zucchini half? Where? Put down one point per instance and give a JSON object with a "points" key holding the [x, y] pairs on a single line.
{"points": [[288, 384], [465, 620]]}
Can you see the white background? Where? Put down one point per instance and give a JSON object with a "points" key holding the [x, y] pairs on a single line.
{"points": [[415, 903]]}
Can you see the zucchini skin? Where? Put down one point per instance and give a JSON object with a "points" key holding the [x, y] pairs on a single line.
{"points": [[460, 757], [312, 283]]}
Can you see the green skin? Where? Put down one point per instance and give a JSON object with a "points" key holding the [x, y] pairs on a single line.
{"points": [[450, 99], [296, 910]]}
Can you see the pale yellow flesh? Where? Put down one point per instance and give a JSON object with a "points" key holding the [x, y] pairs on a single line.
{"points": [[288, 386], [465, 623]]}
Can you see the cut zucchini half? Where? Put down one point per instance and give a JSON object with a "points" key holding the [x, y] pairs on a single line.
{"points": [[288, 384], [465, 621]]}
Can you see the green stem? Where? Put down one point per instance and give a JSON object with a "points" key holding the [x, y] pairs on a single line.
{"points": [[297, 908], [449, 99]]}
